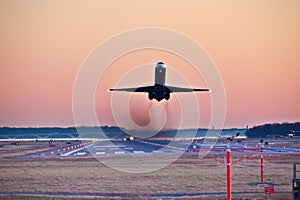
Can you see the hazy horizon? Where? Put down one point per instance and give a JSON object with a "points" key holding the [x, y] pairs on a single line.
{"points": [[114, 126]]}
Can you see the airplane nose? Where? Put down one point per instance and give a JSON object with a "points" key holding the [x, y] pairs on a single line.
{"points": [[160, 64]]}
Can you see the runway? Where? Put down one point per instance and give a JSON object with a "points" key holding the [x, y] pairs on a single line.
{"points": [[121, 147], [146, 147]]}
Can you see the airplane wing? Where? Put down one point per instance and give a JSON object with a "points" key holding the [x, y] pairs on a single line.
{"points": [[180, 89], [135, 89]]}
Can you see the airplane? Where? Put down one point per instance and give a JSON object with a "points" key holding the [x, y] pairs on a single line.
{"points": [[159, 90], [293, 134]]}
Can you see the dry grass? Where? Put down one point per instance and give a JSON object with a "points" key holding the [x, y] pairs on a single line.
{"points": [[186, 175]]}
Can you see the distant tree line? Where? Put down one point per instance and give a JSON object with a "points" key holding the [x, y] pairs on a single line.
{"points": [[49, 130], [266, 130], [273, 130]]}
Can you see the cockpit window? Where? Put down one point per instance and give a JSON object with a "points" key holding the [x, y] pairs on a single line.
{"points": [[160, 63]]}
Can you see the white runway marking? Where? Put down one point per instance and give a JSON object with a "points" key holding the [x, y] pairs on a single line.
{"points": [[100, 153], [139, 152], [114, 148], [159, 151], [119, 152], [128, 148]]}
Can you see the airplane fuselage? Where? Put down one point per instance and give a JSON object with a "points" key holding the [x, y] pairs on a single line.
{"points": [[160, 73], [160, 91]]}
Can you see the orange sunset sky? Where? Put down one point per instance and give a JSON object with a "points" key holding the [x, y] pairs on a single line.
{"points": [[255, 44]]}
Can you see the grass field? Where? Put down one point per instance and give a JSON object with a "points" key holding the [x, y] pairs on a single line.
{"points": [[189, 174]]}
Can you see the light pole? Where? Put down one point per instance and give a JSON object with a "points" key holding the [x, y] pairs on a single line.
{"points": [[228, 166]]}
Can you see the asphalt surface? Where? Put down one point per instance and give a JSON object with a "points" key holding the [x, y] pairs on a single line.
{"points": [[119, 147]]}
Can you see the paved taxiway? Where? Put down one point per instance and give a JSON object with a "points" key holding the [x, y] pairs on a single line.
{"points": [[121, 147]]}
